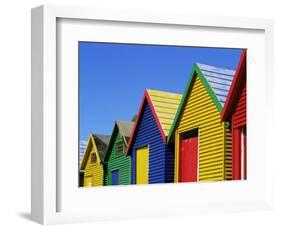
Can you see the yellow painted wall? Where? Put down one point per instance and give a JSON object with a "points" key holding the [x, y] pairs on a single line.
{"points": [[93, 172], [142, 165], [214, 137], [228, 153]]}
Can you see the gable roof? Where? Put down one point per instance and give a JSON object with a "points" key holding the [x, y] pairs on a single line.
{"points": [[164, 106], [125, 129], [235, 89], [217, 82], [219, 79], [101, 142], [103, 138]]}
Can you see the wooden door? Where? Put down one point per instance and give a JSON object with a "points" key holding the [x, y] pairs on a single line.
{"points": [[239, 153], [88, 181], [188, 167], [115, 177], [142, 165]]}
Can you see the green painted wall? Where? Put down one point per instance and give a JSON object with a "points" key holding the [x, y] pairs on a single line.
{"points": [[120, 162]]}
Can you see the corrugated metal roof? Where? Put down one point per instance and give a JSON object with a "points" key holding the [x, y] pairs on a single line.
{"points": [[125, 128], [219, 79], [165, 105]]}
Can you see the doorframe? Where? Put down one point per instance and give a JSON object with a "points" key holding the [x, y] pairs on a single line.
{"points": [[239, 164], [243, 152]]}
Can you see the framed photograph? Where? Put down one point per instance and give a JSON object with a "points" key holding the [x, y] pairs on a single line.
{"points": [[141, 114]]}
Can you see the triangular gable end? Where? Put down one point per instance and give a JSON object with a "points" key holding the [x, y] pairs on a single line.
{"points": [[90, 144], [147, 99], [196, 71], [115, 131], [125, 129], [236, 87]]}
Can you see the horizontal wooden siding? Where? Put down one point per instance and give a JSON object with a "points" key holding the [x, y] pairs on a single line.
{"points": [[93, 171], [120, 162], [201, 113], [148, 133]]}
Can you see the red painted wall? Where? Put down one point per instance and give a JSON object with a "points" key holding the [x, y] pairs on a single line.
{"points": [[239, 116], [239, 120]]}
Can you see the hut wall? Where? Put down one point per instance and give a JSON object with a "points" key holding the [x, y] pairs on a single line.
{"points": [[238, 121], [200, 112], [120, 162], [170, 161], [239, 115], [93, 171], [148, 133]]}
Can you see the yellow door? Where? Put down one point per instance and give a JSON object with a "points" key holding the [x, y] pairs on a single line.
{"points": [[87, 181], [142, 165]]}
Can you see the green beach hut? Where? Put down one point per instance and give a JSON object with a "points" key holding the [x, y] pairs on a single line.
{"points": [[117, 163]]}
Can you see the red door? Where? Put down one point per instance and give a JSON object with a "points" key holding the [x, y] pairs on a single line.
{"points": [[239, 153], [188, 165]]}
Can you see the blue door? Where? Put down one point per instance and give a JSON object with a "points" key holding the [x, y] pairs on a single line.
{"points": [[115, 177]]}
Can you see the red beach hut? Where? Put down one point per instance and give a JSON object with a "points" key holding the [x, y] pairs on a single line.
{"points": [[235, 111]]}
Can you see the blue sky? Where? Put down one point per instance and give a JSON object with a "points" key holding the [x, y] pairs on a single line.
{"points": [[113, 77]]}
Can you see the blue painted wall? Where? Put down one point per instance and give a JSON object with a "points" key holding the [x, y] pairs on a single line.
{"points": [[161, 159], [170, 156]]}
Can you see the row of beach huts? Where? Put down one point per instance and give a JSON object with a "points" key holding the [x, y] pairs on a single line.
{"points": [[197, 136]]}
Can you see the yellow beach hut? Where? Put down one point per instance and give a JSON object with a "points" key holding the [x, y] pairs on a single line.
{"points": [[202, 141], [93, 160]]}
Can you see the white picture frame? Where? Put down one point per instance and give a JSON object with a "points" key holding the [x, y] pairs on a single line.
{"points": [[53, 200]]}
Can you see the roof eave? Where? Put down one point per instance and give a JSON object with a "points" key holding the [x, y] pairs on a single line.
{"points": [[110, 144], [135, 125], [146, 97]]}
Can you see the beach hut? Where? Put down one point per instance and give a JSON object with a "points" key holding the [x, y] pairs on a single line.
{"points": [[152, 157], [235, 111], [118, 164], [93, 160], [202, 141]]}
